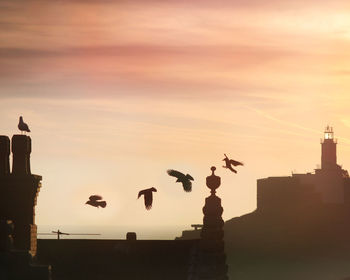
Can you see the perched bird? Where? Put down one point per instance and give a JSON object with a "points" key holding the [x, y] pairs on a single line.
{"points": [[184, 179], [230, 162], [22, 126], [148, 196], [93, 201]]}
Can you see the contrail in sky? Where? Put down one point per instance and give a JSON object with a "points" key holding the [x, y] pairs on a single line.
{"points": [[268, 116]]}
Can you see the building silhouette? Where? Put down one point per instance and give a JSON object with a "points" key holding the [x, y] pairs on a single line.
{"points": [[327, 185], [18, 232], [300, 228], [300, 219], [22, 256]]}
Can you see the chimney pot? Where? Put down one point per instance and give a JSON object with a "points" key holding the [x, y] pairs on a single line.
{"points": [[21, 149]]}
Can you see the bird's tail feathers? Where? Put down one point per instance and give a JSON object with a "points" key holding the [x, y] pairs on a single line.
{"points": [[103, 204], [187, 187]]}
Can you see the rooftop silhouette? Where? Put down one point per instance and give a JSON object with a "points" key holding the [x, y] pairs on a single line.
{"points": [[96, 259], [302, 218]]}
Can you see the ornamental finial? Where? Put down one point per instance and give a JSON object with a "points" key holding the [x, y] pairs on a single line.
{"points": [[213, 181]]}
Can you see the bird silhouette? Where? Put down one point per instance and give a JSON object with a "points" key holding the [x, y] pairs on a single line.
{"points": [[184, 179], [22, 126], [148, 196], [93, 201], [230, 162]]}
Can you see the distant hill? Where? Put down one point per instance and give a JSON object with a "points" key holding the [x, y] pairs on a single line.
{"points": [[306, 243]]}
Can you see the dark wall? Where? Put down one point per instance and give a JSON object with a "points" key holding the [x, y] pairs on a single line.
{"points": [[117, 259], [285, 194], [347, 191]]}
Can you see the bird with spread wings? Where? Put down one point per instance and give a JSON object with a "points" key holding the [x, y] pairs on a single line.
{"points": [[148, 197], [95, 201], [184, 179], [230, 162]]}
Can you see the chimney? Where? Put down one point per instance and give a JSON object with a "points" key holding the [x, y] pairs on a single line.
{"points": [[21, 149], [131, 236], [4, 155]]}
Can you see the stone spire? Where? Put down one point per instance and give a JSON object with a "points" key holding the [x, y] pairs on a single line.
{"points": [[212, 256]]}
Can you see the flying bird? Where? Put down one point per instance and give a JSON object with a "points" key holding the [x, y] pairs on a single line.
{"points": [[148, 196], [94, 201], [184, 179], [230, 162], [22, 126]]}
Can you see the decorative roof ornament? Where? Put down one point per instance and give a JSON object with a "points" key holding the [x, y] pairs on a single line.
{"points": [[213, 181]]}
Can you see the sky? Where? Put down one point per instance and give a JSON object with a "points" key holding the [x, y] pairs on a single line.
{"points": [[117, 92]]}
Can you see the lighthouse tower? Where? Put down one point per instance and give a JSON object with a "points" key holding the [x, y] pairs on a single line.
{"points": [[329, 150], [329, 179]]}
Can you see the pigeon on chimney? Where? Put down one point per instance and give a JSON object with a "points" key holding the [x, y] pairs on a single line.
{"points": [[22, 126]]}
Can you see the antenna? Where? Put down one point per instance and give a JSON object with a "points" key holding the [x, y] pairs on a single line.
{"points": [[59, 233]]}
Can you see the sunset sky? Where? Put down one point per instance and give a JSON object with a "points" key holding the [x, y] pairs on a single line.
{"points": [[117, 92]]}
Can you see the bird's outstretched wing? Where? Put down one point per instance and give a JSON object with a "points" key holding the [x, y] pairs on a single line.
{"points": [[141, 193], [235, 163], [187, 186], [175, 173], [95, 197]]}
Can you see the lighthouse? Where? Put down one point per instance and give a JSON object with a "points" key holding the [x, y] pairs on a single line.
{"points": [[329, 180], [329, 150]]}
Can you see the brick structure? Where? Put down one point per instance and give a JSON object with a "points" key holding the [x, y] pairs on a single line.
{"points": [[18, 264], [19, 191]]}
